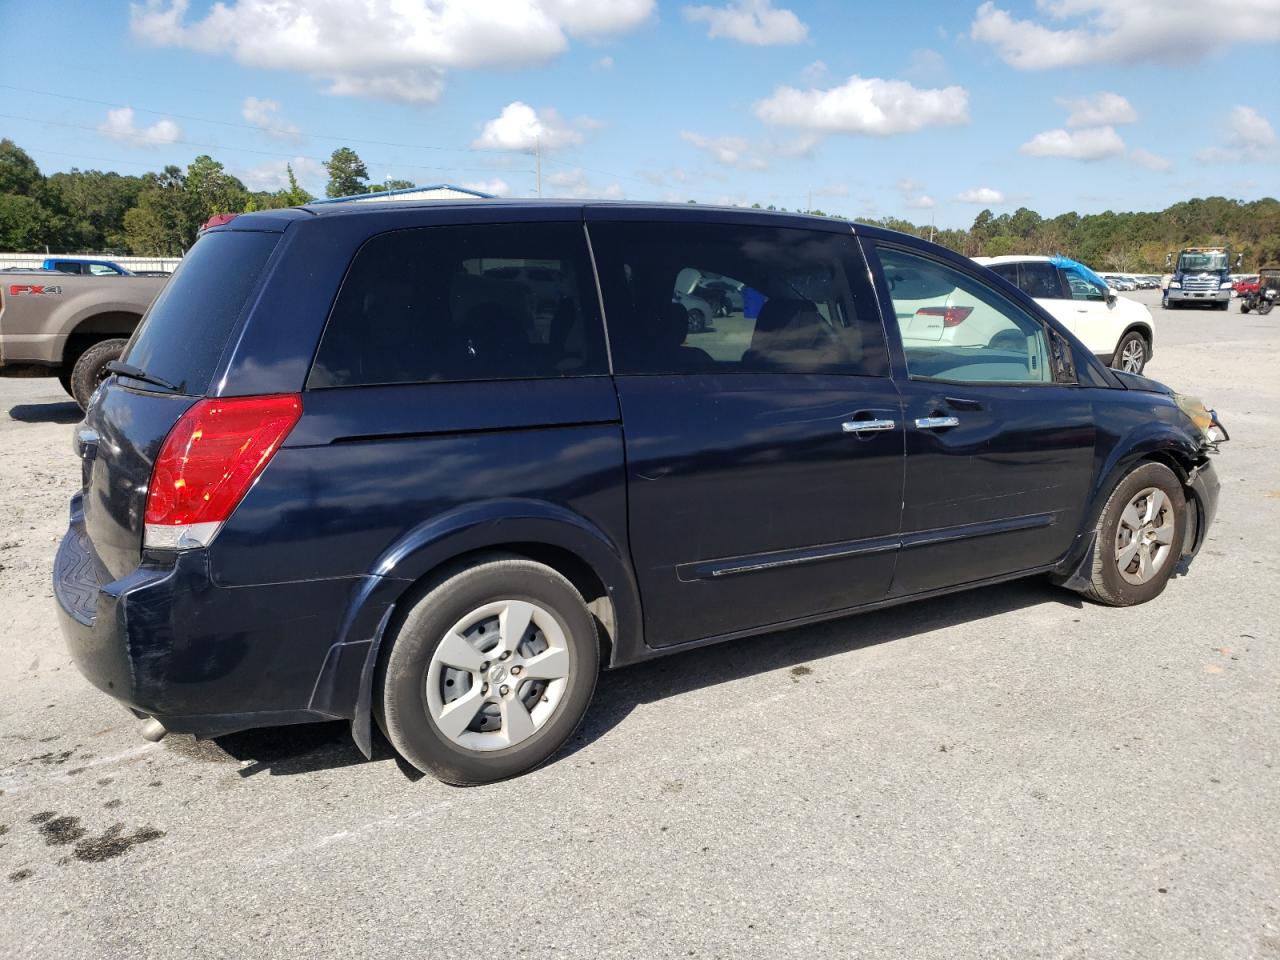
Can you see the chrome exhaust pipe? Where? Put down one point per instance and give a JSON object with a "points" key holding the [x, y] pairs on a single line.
{"points": [[153, 730]]}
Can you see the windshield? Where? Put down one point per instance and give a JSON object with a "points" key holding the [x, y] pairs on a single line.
{"points": [[1202, 262]]}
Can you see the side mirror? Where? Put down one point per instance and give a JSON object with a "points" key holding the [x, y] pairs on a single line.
{"points": [[1111, 297]]}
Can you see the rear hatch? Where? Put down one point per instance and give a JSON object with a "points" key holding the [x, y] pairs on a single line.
{"points": [[181, 342]]}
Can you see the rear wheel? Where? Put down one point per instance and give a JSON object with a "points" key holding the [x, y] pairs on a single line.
{"points": [[490, 672], [697, 321], [90, 369], [1138, 539]]}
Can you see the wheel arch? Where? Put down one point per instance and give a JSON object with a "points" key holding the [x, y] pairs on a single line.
{"points": [[1157, 443], [544, 532], [95, 326]]}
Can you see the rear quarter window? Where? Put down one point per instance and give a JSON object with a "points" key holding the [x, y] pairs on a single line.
{"points": [[464, 302], [184, 333]]}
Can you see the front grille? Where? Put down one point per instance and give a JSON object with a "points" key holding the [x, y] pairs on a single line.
{"points": [[1200, 283]]}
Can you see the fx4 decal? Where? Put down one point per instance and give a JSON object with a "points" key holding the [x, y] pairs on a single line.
{"points": [[33, 290]]}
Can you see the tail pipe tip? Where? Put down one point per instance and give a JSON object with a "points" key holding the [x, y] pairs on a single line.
{"points": [[153, 730]]}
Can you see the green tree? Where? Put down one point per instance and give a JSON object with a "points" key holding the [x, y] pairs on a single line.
{"points": [[165, 220], [94, 204], [211, 190], [391, 185], [18, 172], [23, 223], [347, 173]]}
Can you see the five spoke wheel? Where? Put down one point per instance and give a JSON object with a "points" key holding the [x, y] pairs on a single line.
{"points": [[1144, 536], [497, 675]]}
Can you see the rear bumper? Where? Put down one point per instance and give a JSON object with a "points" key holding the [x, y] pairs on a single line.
{"points": [[167, 642]]}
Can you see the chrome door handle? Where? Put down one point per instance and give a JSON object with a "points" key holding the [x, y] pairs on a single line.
{"points": [[867, 426], [937, 423]]}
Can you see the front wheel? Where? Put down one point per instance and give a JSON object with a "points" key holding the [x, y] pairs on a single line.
{"points": [[1138, 539], [91, 369], [489, 673], [1131, 353], [1265, 307], [697, 321]]}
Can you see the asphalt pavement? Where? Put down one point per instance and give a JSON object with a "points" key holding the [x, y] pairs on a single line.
{"points": [[1009, 772]]}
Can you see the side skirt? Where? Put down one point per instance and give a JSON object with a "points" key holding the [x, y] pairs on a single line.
{"points": [[652, 653]]}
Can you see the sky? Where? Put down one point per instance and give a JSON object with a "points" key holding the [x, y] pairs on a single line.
{"points": [[928, 111]]}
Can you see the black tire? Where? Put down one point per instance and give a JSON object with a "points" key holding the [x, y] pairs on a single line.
{"points": [[1244, 307], [1125, 341], [1265, 307], [400, 684], [89, 370], [1108, 586], [697, 321]]}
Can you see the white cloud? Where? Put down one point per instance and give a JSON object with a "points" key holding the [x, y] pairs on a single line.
{"points": [[419, 87], [273, 175], [575, 183], [120, 125], [983, 195], [1152, 161], [756, 22], [497, 186], [866, 106], [1250, 138], [265, 114], [1250, 135], [604, 63], [520, 127], [1092, 143], [389, 49], [728, 151], [815, 73], [914, 196], [926, 66], [1124, 31], [1098, 111]]}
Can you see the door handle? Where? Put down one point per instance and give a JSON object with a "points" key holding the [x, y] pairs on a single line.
{"points": [[867, 426], [937, 423]]}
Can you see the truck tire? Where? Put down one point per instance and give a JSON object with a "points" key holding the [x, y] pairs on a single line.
{"points": [[90, 371]]}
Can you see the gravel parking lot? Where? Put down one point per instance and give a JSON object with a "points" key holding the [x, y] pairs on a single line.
{"points": [[1004, 773]]}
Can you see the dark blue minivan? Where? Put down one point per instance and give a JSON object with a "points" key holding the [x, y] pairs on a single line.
{"points": [[435, 464]]}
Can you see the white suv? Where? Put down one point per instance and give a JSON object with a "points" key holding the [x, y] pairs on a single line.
{"points": [[1118, 330]]}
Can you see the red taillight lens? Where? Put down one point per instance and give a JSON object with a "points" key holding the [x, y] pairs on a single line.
{"points": [[209, 461], [951, 316]]}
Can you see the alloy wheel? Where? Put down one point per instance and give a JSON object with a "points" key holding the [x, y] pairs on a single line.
{"points": [[1144, 536], [498, 675], [1133, 355]]}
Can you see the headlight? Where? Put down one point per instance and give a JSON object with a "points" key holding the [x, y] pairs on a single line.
{"points": [[1174, 285], [1225, 285], [1206, 420]]}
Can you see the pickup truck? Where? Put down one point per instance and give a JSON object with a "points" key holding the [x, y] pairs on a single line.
{"points": [[69, 326]]}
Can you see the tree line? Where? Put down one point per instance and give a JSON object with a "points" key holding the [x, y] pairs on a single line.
{"points": [[155, 214], [158, 214]]}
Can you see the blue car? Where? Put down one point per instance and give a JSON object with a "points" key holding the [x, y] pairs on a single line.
{"points": [[355, 463]]}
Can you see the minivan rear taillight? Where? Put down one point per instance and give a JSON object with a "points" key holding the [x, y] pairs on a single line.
{"points": [[209, 461]]}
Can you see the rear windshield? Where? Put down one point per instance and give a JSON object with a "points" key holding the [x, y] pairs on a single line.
{"points": [[186, 329]]}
